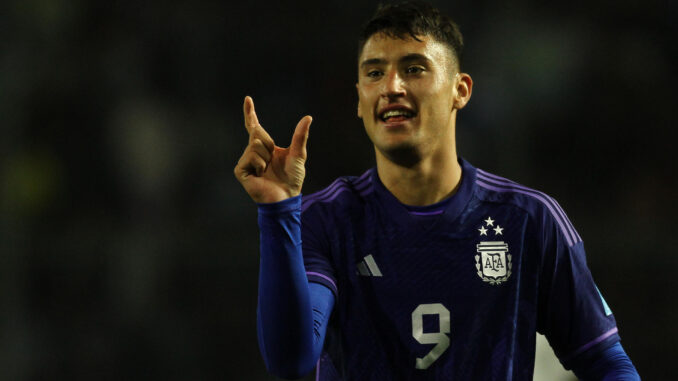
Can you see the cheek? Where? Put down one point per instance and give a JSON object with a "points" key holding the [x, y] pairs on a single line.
{"points": [[440, 102], [365, 104], [441, 87]]}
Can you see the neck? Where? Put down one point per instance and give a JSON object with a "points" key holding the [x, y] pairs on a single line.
{"points": [[430, 180]]}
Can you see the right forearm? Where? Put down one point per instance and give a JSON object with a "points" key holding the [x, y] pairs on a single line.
{"points": [[284, 315], [271, 174]]}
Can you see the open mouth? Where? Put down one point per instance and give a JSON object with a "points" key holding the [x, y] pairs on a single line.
{"points": [[397, 115]]}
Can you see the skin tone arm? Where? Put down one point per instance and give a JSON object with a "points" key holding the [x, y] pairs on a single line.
{"points": [[270, 173]]}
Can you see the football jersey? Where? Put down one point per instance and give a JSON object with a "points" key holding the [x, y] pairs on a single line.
{"points": [[453, 291]]}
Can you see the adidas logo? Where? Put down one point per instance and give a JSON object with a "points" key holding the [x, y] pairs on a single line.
{"points": [[368, 267]]}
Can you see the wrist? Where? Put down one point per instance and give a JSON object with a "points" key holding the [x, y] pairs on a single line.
{"points": [[273, 196], [286, 205]]}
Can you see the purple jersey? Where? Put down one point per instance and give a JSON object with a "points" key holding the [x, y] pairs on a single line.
{"points": [[455, 291]]}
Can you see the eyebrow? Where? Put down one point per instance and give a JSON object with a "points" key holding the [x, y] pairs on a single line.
{"points": [[406, 58]]}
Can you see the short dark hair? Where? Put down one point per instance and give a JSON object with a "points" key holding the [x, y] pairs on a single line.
{"points": [[411, 19]]}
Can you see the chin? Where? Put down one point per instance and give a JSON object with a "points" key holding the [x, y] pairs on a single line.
{"points": [[403, 154]]}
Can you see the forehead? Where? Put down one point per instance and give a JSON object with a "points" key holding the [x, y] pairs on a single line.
{"points": [[387, 48]]}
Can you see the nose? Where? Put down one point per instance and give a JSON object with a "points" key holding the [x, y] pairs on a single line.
{"points": [[393, 85]]}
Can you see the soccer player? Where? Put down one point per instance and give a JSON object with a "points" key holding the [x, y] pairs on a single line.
{"points": [[425, 267]]}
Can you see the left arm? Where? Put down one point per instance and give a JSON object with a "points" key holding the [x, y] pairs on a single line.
{"points": [[573, 314]]}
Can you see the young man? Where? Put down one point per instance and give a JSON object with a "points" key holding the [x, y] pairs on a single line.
{"points": [[428, 267]]}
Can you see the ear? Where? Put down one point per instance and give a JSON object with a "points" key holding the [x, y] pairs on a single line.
{"points": [[360, 112], [464, 87]]}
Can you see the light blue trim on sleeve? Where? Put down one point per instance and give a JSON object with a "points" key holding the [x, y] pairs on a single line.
{"points": [[608, 311]]}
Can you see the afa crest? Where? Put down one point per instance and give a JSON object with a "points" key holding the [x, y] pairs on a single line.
{"points": [[493, 261]]}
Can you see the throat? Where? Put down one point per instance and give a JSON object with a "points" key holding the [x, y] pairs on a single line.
{"points": [[417, 186]]}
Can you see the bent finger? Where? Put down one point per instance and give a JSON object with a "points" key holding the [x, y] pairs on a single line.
{"points": [[258, 133], [251, 163], [258, 146]]}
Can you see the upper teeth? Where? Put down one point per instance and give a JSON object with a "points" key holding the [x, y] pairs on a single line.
{"points": [[391, 113]]}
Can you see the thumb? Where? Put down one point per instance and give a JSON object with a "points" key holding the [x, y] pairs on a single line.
{"points": [[300, 137]]}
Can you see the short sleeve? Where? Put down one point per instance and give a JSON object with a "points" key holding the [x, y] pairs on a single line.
{"points": [[572, 313], [316, 248]]}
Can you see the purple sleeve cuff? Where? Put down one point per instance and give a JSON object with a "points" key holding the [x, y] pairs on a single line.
{"points": [[589, 350], [323, 279], [593, 342], [607, 365]]}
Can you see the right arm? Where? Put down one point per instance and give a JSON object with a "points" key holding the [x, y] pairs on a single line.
{"points": [[292, 314]]}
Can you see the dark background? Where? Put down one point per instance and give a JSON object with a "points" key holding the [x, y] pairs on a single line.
{"points": [[129, 251]]}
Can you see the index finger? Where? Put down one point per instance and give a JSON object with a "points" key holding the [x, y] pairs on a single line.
{"points": [[251, 120]]}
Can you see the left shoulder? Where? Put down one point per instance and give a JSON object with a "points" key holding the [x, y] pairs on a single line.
{"points": [[544, 208]]}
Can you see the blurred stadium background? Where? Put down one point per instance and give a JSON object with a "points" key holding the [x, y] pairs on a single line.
{"points": [[128, 250]]}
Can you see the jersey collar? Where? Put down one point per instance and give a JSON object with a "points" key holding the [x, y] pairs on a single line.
{"points": [[399, 213]]}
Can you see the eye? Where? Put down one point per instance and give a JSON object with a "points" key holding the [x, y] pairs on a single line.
{"points": [[374, 73], [414, 70]]}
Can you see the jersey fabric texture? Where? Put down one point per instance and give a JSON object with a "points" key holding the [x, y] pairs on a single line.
{"points": [[452, 294]]}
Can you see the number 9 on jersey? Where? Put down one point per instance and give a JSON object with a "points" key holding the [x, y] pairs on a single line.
{"points": [[440, 338]]}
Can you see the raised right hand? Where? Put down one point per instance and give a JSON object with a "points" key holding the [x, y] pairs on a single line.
{"points": [[267, 172]]}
